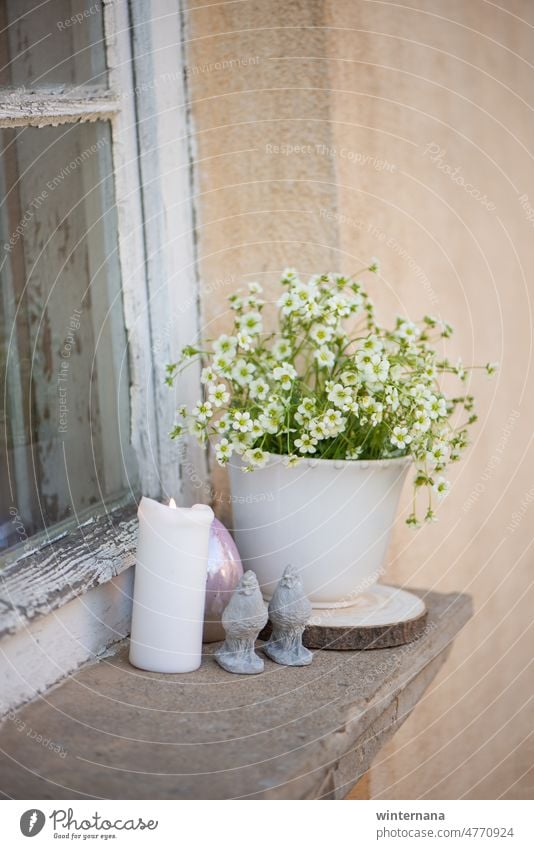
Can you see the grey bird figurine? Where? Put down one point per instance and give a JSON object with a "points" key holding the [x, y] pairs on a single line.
{"points": [[289, 610], [242, 620]]}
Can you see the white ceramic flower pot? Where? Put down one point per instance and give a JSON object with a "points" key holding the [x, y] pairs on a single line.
{"points": [[330, 518]]}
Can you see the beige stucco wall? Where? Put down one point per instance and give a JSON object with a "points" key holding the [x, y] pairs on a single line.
{"points": [[364, 88]]}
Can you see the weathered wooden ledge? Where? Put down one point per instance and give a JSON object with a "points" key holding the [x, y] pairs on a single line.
{"points": [[112, 731], [57, 571]]}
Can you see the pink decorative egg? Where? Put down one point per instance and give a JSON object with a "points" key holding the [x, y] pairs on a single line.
{"points": [[224, 572]]}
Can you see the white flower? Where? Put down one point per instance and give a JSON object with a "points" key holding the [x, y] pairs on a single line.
{"points": [[318, 429], [325, 357], [259, 389], [222, 363], [291, 460], [421, 421], [223, 451], [256, 457], [305, 410], [436, 407], [219, 395], [310, 310], [349, 378], [392, 398], [306, 444], [198, 429], [250, 323], [284, 375], [354, 453], [241, 441], [408, 331], [321, 333], [290, 275], [303, 293], [339, 306], [208, 375], [400, 437], [441, 487], [242, 422], [255, 288], [202, 411], [378, 371], [270, 422], [366, 360], [236, 303], [257, 431], [334, 422], [244, 341], [288, 303], [281, 349], [340, 397], [438, 454], [222, 424], [243, 372], [372, 344], [225, 345]]}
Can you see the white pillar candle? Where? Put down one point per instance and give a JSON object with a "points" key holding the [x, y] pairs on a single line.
{"points": [[170, 586]]}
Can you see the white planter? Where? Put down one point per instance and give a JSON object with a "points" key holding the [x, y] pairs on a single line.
{"points": [[330, 518]]}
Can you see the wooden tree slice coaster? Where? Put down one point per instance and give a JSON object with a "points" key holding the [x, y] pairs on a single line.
{"points": [[380, 618]]}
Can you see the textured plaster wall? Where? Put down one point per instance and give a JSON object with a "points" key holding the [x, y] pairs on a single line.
{"points": [[407, 132]]}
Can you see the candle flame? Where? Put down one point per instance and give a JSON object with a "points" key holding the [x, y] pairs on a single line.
{"points": [[172, 503]]}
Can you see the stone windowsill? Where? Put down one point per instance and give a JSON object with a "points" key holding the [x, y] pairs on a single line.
{"points": [[112, 731]]}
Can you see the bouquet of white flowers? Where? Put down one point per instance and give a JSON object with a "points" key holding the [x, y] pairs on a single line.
{"points": [[329, 382]]}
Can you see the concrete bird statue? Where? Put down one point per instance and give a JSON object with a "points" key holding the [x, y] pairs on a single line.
{"points": [[242, 620], [289, 611]]}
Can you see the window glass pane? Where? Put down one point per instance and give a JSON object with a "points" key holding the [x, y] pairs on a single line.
{"points": [[64, 415], [49, 43]]}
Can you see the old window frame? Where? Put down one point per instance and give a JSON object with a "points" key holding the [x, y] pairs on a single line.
{"points": [[153, 170]]}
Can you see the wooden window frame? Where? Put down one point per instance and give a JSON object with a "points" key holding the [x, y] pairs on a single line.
{"points": [[153, 170]]}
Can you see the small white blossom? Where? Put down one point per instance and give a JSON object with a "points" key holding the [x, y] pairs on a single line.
{"points": [[225, 345], [325, 357], [441, 487], [242, 422], [243, 372], [291, 460], [259, 389], [333, 421], [306, 444], [288, 303], [321, 333], [349, 378], [285, 375], [223, 451], [256, 457], [408, 331], [400, 437], [438, 454], [222, 363], [250, 323], [208, 375], [281, 349], [202, 411], [340, 397], [219, 395], [244, 341]]}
